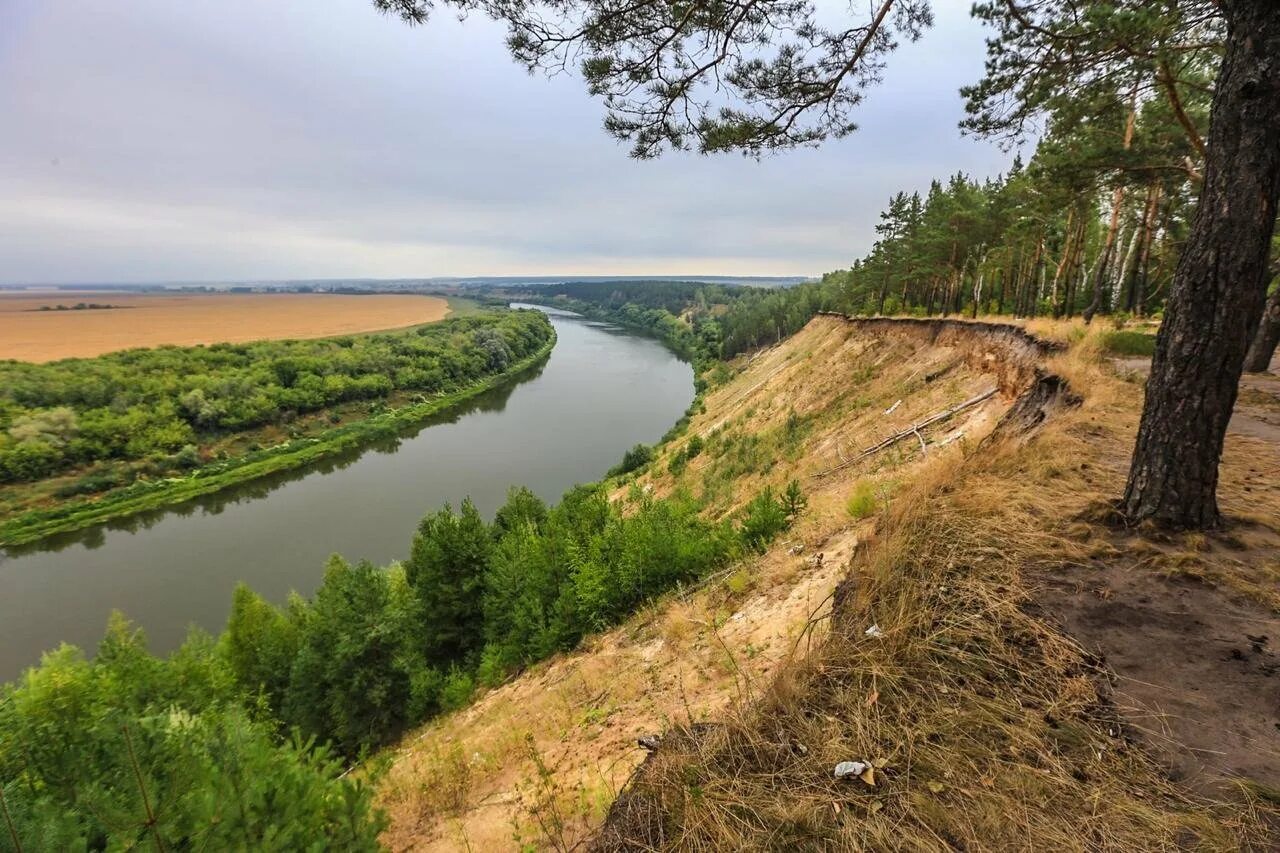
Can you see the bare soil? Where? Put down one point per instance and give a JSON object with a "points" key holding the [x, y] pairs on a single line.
{"points": [[1190, 626], [185, 319], [1196, 673]]}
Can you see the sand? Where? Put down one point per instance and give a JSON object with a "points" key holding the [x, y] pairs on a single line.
{"points": [[152, 319]]}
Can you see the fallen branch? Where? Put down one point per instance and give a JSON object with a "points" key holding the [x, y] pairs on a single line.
{"points": [[914, 429]]}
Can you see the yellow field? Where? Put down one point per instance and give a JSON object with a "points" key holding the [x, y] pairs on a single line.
{"points": [[151, 319]]}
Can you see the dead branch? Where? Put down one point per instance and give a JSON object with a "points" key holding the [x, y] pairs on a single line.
{"points": [[914, 429]]}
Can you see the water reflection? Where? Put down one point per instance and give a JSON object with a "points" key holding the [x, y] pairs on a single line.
{"points": [[601, 391], [493, 400]]}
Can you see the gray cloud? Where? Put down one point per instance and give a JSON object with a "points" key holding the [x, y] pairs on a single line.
{"points": [[153, 140]]}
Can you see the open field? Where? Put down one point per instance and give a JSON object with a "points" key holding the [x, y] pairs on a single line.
{"points": [[185, 319]]}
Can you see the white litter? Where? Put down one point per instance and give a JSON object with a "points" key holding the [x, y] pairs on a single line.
{"points": [[874, 631], [850, 768], [890, 410]]}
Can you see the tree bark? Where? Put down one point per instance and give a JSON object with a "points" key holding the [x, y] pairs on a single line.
{"points": [[1266, 337], [1075, 268], [1218, 286], [884, 288], [1134, 302], [1068, 247]]}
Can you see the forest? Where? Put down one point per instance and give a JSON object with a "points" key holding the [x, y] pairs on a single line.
{"points": [[241, 741], [159, 409]]}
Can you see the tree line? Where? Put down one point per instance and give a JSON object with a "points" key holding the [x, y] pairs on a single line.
{"points": [[240, 741], [161, 406], [1154, 184]]}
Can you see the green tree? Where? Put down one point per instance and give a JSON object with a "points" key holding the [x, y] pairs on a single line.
{"points": [[351, 679], [446, 569], [1046, 52], [260, 644]]}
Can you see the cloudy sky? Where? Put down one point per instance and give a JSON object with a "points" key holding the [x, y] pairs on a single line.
{"points": [[152, 140]]}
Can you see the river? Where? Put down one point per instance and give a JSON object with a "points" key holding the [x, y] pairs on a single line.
{"points": [[603, 390]]}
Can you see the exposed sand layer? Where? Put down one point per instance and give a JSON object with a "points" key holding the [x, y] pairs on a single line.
{"points": [[469, 781], [994, 538], [28, 333]]}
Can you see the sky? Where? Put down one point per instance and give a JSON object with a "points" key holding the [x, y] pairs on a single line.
{"points": [[150, 140]]}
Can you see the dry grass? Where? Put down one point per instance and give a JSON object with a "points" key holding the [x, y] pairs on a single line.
{"points": [[541, 758], [987, 727], [686, 658], [152, 319]]}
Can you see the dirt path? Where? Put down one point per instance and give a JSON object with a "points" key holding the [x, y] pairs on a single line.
{"points": [[1257, 411], [1190, 624], [1195, 664]]}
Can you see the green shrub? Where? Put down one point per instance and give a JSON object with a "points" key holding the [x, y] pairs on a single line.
{"points": [[634, 459], [862, 502], [457, 689], [1129, 343], [90, 750], [765, 517], [793, 500]]}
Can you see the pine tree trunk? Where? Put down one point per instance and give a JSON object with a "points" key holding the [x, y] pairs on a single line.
{"points": [[1134, 301], [1121, 263], [1102, 264], [1074, 267], [1218, 286], [884, 293], [1035, 281], [1117, 201], [1068, 248], [1266, 337], [1144, 281]]}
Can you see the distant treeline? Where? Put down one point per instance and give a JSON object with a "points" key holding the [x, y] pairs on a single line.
{"points": [[160, 405], [702, 322], [79, 306], [229, 743]]}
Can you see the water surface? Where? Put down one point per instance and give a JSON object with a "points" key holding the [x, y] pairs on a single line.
{"points": [[602, 390]]}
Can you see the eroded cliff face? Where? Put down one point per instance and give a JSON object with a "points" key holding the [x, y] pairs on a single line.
{"points": [[801, 410], [987, 655], [1010, 353]]}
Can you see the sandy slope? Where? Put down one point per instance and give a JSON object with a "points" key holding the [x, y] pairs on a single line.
{"points": [[470, 780]]}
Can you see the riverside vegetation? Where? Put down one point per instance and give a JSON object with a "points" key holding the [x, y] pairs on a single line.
{"points": [[82, 440], [243, 739]]}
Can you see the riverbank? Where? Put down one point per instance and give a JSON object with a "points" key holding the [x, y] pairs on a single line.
{"points": [[886, 627], [155, 494]]}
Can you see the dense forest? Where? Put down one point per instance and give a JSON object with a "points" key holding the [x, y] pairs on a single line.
{"points": [[682, 314], [161, 406], [239, 742]]}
